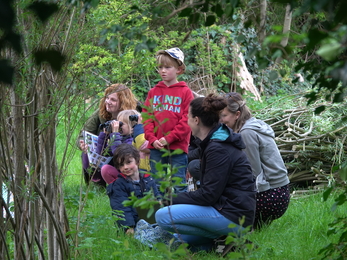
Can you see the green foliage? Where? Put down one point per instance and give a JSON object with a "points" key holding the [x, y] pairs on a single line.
{"points": [[325, 40], [337, 249]]}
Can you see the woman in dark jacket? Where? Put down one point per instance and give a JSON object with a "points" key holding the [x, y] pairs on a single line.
{"points": [[227, 190]]}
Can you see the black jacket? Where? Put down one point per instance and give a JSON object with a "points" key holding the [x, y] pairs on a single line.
{"points": [[227, 182]]}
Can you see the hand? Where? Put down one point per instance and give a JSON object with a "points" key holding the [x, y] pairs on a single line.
{"points": [[115, 126], [130, 232], [139, 121], [158, 145], [163, 141], [83, 146]]}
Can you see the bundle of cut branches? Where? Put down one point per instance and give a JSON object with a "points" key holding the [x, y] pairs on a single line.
{"points": [[312, 146]]}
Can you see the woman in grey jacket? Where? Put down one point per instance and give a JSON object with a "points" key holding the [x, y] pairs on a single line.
{"points": [[267, 164]]}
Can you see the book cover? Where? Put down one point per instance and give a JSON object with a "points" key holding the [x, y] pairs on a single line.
{"points": [[94, 158]]}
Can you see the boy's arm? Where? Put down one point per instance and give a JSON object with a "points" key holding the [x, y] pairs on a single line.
{"points": [[181, 130], [117, 194], [148, 125]]}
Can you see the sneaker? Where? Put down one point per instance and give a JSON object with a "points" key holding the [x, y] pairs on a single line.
{"points": [[221, 248]]}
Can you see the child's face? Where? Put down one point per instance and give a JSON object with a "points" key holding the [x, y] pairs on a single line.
{"points": [[126, 130], [168, 73], [130, 168]]}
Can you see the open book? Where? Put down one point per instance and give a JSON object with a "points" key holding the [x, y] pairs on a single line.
{"points": [[95, 159]]}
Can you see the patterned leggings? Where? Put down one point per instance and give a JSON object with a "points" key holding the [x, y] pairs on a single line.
{"points": [[271, 204]]}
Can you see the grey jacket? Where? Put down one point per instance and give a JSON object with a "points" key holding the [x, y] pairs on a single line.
{"points": [[263, 154]]}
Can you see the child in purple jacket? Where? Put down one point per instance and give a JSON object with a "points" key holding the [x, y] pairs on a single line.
{"points": [[121, 132]]}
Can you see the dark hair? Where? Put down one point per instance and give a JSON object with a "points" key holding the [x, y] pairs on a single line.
{"points": [[208, 109], [236, 103], [123, 153]]}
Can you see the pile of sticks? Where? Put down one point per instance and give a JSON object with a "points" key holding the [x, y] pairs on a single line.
{"points": [[311, 157]]}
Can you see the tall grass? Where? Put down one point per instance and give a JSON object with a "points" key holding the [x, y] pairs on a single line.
{"points": [[299, 234]]}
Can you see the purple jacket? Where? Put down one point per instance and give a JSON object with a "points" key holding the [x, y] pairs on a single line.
{"points": [[108, 143]]}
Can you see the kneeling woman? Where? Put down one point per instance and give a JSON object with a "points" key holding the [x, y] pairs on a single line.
{"points": [[227, 189]]}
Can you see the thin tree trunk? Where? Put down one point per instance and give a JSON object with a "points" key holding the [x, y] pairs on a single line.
{"points": [[262, 20], [286, 29]]}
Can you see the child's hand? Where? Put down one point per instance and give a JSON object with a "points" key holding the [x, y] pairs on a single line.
{"points": [[163, 141], [115, 126], [130, 232], [158, 145], [83, 146]]}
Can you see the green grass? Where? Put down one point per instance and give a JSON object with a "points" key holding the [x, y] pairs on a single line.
{"points": [[299, 234]]}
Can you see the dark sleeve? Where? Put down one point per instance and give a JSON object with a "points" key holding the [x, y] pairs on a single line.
{"points": [[193, 154], [193, 149], [92, 126], [215, 178], [118, 192]]}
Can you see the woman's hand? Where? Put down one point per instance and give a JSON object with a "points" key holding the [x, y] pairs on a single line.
{"points": [[83, 146]]}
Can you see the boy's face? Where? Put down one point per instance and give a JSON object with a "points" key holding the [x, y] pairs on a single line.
{"points": [[169, 73], [130, 168]]}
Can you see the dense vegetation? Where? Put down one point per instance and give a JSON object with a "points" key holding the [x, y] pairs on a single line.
{"points": [[54, 56]]}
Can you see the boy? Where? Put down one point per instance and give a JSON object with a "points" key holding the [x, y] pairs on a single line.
{"points": [[126, 160], [169, 101]]}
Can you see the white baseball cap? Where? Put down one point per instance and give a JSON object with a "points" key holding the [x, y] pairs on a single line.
{"points": [[177, 54]]}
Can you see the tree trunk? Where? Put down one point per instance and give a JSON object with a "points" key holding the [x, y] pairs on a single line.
{"points": [[286, 29], [262, 20], [28, 120]]}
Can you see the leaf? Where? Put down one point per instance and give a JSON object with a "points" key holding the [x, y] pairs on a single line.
{"points": [[7, 15], [327, 193], [319, 110], [185, 12], [43, 10], [315, 36], [228, 10], [210, 20], [330, 49], [53, 57], [343, 173], [13, 39], [273, 75], [6, 72], [218, 10]]}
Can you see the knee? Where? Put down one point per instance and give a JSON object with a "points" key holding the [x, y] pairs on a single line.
{"points": [[109, 173], [162, 216]]}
